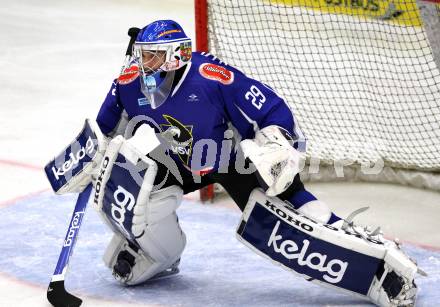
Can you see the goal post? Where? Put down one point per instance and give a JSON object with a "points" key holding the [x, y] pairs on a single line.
{"points": [[362, 77]]}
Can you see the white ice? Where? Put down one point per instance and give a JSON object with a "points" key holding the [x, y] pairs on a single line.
{"points": [[57, 61]]}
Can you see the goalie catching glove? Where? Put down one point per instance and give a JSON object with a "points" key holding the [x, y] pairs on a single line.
{"points": [[274, 157]]}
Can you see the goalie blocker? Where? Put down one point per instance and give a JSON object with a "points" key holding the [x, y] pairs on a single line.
{"points": [[377, 270], [71, 171]]}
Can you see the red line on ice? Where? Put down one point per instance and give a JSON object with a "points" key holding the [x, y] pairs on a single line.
{"points": [[21, 164], [21, 197], [28, 166]]}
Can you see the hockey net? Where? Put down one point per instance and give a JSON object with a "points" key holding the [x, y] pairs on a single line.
{"points": [[362, 77]]}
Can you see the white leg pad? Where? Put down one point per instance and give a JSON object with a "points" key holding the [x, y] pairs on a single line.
{"points": [[161, 240]]}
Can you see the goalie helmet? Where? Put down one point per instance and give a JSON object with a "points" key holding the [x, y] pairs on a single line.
{"points": [[160, 49]]}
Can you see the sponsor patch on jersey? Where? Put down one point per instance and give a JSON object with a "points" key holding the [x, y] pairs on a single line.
{"points": [[128, 75], [143, 101], [216, 73]]}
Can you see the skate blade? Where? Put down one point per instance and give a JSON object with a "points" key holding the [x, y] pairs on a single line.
{"points": [[421, 272], [165, 274]]}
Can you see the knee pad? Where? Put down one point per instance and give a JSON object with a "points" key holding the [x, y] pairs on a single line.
{"points": [[161, 236], [317, 210]]}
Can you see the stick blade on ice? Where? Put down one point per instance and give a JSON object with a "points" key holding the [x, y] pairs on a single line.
{"points": [[59, 297]]}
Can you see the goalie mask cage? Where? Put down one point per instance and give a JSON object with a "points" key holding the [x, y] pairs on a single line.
{"points": [[362, 78]]}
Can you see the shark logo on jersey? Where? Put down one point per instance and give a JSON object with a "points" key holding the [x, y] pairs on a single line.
{"points": [[179, 136]]}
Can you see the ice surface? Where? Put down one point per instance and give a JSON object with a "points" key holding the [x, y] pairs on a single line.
{"points": [[216, 270]]}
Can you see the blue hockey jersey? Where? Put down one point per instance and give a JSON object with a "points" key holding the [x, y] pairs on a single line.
{"points": [[194, 118]]}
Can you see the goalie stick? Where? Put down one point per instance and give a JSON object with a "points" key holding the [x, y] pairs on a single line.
{"points": [[56, 292]]}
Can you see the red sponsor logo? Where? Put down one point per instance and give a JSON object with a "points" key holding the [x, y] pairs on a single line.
{"points": [[128, 75], [217, 73], [201, 172]]}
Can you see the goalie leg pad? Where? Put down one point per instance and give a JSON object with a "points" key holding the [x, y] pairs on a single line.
{"points": [[147, 220], [161, 236], [125, 179], [322, 253], [158, 246]]}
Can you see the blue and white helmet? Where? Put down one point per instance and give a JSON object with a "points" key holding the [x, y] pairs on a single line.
{"points": [[166, 36], [160, 48]]}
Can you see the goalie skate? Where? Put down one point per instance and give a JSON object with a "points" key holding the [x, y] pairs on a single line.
{"points": [[123, 268], [173, 270]]}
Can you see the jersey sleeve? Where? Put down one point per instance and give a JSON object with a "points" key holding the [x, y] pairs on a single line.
{"points": [[110, 113], [252, 105]]}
